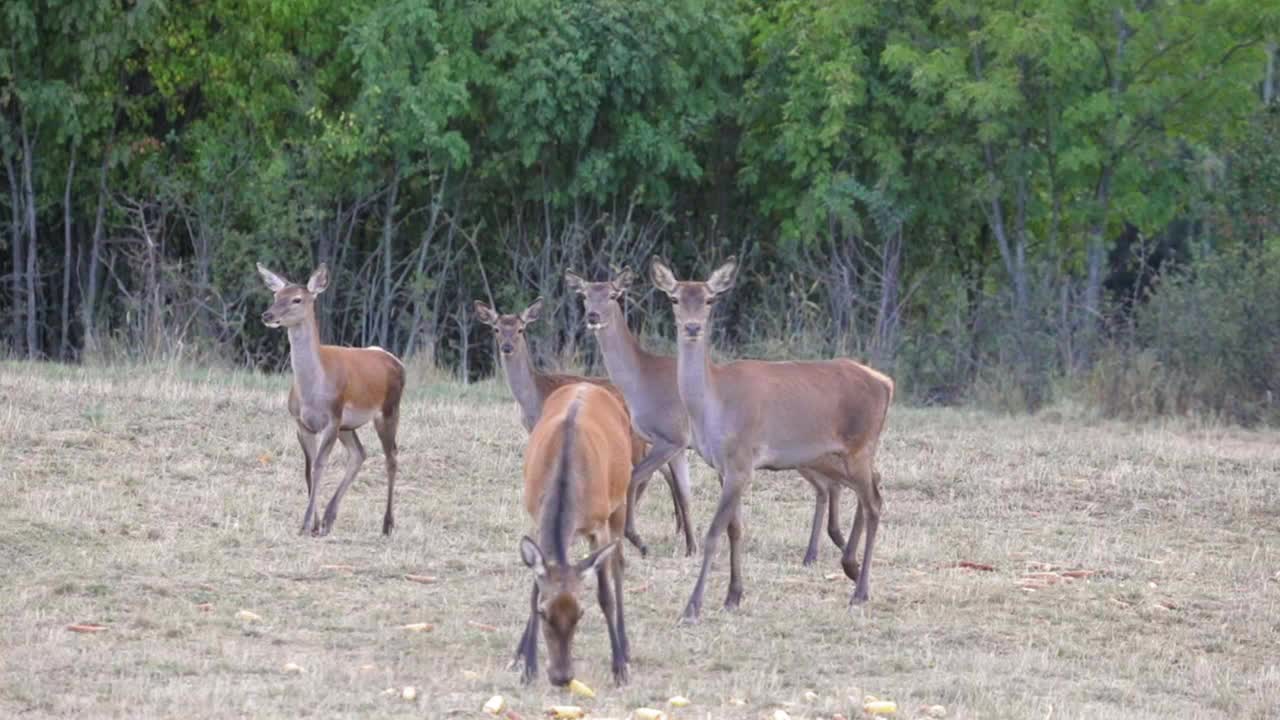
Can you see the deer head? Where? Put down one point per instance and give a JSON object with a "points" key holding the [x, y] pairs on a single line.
{"points": [[559, 605], [692, 300], [293, 304], [597, 296], [508, 330]]}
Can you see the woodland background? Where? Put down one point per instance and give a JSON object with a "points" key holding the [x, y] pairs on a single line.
{"points": [[998, 202]]}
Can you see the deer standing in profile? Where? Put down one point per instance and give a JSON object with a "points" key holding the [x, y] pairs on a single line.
{"points": [[531, 388], [823, 417], [335, 391], [577, 466], [649, 383]]}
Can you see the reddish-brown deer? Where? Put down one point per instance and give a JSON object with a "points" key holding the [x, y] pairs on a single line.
{"points": [[335, 391], [577, 466], [649, 383], [530, 387], [823, 417]]}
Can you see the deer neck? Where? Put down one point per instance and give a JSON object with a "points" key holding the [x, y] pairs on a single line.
{"points": [[696, 380], [520, 378], [304, 355], [621, 351]]}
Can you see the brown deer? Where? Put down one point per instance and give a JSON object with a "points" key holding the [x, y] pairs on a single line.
{"points": [[335, 391], [531, 387], [576, 469], [823, 417], [648, 381]]}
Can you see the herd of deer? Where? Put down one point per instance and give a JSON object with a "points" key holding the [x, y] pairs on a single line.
{"points": [[595, 442]]}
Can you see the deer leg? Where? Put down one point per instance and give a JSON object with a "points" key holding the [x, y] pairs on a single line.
{"points": [[734, 596], [849, 558], [680, 496], [355, 458], [820, 494], [604, 592], [871, 508], [386, 429], [833, 515], [307, 452], [324, 441], [616, 522], [527, 650], [730, 495], [671, 484], [659, 454]]}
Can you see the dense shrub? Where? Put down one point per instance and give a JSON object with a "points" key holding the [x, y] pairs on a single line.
{"points": [[1210, 343]]}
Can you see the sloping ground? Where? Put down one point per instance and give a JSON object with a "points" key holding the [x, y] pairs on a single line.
{"points": [[161, 503]]}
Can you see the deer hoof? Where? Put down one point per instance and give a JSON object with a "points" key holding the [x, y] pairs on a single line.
{"points": [[809, 559], [690, 615]]}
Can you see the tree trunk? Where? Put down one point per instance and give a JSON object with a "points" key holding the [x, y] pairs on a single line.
{"points": [[29, 205], [17, 246], [64, 346], [1095, 259], [388, 228], [88, 309], [1096, 251], [887, 315]]}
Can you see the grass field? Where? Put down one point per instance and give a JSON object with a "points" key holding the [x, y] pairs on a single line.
{"points": [[160, 503]]}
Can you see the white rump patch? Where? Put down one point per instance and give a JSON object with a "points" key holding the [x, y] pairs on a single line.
{"points": [[388, 353]]}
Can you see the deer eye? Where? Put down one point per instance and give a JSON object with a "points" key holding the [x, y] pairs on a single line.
{"points": [[297, 300]]}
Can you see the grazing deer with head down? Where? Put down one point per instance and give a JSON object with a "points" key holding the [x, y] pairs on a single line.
{"points": [[649, 383], [823, 417], [335, 391], [531, 387], [577, 466]]}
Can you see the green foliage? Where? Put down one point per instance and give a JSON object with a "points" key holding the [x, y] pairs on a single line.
{"points": [[932, 184]]}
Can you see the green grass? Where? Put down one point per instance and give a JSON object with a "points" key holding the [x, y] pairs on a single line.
{"points": [[133, 497]]}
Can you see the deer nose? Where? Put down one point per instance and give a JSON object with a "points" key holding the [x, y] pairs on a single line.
{"points": [[593, 317], [266, 316], [693, 330], [559, 678], [507, 348]]}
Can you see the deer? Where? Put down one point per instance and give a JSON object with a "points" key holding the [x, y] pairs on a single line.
{"points": [[531, 388], [822, 417], [577, 466], [648, 381], [335, 391]]}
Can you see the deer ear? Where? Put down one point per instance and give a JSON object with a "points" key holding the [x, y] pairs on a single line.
{"points": [[485, 314], [622, 281], [532, 556], [723, 277], [274, 282], [596, 560], [574, 281], [532, 312], [662, 276], [319, 280]]}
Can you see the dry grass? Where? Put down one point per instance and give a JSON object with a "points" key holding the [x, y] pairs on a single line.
{"points": [[134, 497]]}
